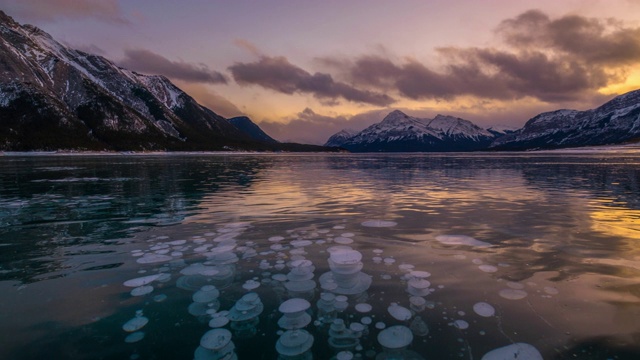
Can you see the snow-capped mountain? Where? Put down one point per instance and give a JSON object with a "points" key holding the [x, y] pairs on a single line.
{"points": [[53, 97], [401, 132], [340, 137], [615, 122]]}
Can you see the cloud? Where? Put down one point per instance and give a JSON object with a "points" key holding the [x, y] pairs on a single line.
{"points": [[54, 10], [602, 42], [310, 127], [552, 60], [248, 46], [146, 61], [278, 74]]}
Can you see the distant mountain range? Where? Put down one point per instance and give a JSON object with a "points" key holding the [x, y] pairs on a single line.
{"points": [[400, 132], [615, 122], [56, 98]]}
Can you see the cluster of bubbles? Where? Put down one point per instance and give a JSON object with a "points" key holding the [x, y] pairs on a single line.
{"points": [[309, 307]]}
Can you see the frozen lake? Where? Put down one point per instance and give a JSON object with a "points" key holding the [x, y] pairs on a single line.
{"points": [[441, 256]]}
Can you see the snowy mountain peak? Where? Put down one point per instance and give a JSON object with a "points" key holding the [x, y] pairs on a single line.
{"points": [[401, 132], [396, 117]]}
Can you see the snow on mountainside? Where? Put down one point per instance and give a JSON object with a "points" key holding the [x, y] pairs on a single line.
{"points": [[53, 97], [340, 137], [401, 132], [614, 122]]}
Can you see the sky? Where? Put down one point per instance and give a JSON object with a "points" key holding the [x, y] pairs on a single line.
{"points": [[304, 70]]}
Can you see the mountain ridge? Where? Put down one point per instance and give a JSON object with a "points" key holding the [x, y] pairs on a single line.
{"points": [[399, 132], [56, 98]]}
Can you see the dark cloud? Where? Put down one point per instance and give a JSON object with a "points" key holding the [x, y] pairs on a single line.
{"points": [[602, 42], [146, 61], [553, 60], [277, 73], [54, 10]]}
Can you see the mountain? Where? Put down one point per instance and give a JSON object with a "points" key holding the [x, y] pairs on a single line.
{"points": [[340, 137], [615, 122], [56, 98], [399, 132], [247, 126]]}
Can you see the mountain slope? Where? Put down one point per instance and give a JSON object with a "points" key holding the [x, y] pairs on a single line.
{"points": [[614, 122], [399, 132], [53, 97], [247, 126]]}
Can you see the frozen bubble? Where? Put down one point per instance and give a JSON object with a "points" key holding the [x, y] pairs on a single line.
{"points": [[193, 269], [341, 305], [301, 243], [338, 227], [153, 258], [406, 267], [343, 240], [142, 290], [347, 234], [366, 320], [488, 268], [279, 277], [160, 298], [250, 285], [380, 325], [377, 259], [135, 324], [551, 290], [209, 271], [141, 281], [357, 327], [377, 251], [344, 355], [389, 260], [215, 339], [420, 274], [477, 261], [461, 324], [294, 305], [461, 240], [513, 294], [385, 277], [395, 337], [484, 309], [206, 294], [515, 285], [399, 312], [134, 337], [331, 296], [379, 223], [344, 257], [519, 351], [293, 343], [177, 242], [218, 322]]}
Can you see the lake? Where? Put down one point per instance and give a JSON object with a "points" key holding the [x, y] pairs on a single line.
{"points": [[434, 256]]}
